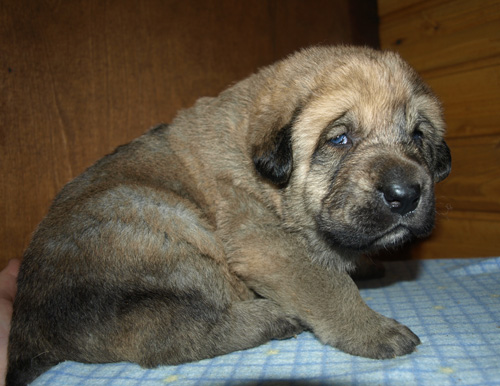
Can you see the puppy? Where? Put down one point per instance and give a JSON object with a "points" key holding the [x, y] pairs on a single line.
{"points": [[239, 222]]}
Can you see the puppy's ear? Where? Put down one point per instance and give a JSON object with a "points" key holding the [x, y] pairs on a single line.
{"points": [[273, 159], [443, 162]]}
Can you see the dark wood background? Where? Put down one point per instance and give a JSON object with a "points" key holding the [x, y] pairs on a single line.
{"points": [[78, 78]]}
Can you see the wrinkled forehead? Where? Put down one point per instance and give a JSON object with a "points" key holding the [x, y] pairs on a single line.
{"points": [[375, 98]]}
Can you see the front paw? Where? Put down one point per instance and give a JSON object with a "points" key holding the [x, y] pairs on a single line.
{"points": [[383, 339]]}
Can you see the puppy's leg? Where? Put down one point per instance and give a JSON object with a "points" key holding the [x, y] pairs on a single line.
{"points": [[196, 326], [276, 266], [195, 315], [238, 326]]}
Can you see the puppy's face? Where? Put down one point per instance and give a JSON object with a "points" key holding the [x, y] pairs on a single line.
{"points": [[365, 150]]}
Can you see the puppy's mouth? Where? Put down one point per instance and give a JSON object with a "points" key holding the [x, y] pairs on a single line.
{"points": [[398, 234]]}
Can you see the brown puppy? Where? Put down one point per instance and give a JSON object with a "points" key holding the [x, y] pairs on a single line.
{"points": [[239, 222]]}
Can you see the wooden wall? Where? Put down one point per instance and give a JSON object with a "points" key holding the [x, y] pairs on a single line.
{"points": [[78, 78], [455, 45]]}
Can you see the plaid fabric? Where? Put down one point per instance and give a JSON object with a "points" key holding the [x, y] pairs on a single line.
{"points": [[452, 305]]}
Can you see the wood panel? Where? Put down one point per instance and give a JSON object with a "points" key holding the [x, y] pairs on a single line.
{"points": [[293, 25], [78, 78], [444, 34], [386, 7], [471, 100], [474, 182]]}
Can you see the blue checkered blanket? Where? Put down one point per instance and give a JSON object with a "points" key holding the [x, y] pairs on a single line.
{"points": [[452, 305]]}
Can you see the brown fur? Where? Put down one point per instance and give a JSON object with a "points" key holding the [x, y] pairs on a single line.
{"points": [[239, 222]]}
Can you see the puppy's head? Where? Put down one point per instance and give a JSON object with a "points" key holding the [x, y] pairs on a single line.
{"points": [[354, 141]]}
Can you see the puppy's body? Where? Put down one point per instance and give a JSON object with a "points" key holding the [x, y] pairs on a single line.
{"points": [[239, 222]]}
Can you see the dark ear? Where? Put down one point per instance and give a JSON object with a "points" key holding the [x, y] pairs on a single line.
{"points": [[273, 160], [443, 162]]}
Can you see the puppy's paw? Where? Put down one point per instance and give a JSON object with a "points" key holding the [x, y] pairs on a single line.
{"points": [[385, 338], [288, 328], [393, 339]]}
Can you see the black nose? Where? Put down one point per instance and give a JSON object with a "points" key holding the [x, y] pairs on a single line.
{"points": [[401, 198]]}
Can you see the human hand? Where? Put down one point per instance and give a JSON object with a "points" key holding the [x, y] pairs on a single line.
{"points": [[8, 287]]}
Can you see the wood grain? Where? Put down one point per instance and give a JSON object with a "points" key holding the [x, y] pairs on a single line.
{"points": [[474, 182], [471, 100], [388, 7], [444, 34]]}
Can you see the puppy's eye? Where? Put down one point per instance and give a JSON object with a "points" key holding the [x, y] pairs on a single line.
{"points": [[340, 140], [418, 136]]}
